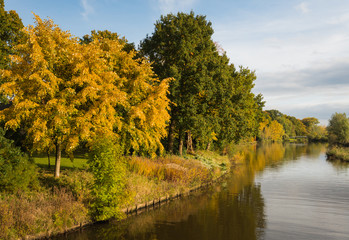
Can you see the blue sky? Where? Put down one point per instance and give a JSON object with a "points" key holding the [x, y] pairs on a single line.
{"points": [[298, 48]]}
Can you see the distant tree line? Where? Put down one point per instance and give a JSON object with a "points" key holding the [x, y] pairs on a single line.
{"points": [[277, 126]]}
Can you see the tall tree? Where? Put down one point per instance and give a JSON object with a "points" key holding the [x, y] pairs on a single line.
{"points": [[10, 36], [63, 92], [181, 47], [210, 99]]}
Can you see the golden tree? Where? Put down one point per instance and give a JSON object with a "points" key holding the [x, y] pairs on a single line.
{"points": [[145, 114], [277, 131], [63, 92]]}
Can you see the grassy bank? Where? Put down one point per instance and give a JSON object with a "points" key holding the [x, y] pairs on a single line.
{"points": [[59, 204], [340, 153]]}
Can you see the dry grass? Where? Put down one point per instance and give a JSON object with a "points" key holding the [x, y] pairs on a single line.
{"points": [[150, 179], [170, 169], [32, 213]]}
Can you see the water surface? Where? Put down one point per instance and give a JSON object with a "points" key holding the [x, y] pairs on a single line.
{"points": [[282, 192]]}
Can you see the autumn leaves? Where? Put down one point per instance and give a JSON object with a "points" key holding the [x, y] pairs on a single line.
{"points": [[64, 92]]}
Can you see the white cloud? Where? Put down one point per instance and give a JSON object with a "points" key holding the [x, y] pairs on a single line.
{"points": [[301, 58], [303, 7], [168, 6], [87, 9]]}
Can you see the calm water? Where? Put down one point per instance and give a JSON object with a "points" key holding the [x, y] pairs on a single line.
{"points": [[283, 192]]}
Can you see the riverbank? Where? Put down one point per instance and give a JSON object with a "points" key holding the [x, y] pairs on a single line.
{"points": [[338, 153], [62, 204]]}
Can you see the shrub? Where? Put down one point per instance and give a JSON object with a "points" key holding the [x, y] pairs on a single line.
{"points": [[17, 172], [109, 184]]}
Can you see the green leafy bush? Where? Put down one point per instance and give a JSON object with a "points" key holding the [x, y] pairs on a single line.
{"points": [[109, 184], [17, 172]]}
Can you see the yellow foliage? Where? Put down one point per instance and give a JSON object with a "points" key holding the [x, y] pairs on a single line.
{"points": [[63, 91]]}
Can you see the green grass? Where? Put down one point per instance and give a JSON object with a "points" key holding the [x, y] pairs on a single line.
{"points": [[79, 161]]}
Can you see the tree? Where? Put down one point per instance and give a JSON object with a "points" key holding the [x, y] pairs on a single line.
{"points": [[309, 123], [63, 92], [10, 36], [338, 129], [240, 109], [145, 116], [210, 99], [277, 131], [299, 127], [181, 47]]}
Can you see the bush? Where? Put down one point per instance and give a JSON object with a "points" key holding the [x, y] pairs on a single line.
{"points": [[17, 172], [109, 184]]}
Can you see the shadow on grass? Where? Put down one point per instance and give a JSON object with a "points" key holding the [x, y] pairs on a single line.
{"points": [[78, 162]]}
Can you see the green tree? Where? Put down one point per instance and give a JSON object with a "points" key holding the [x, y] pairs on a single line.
{"points": [[181, 47], [338, 129], [211, 100], [10, 34], [299, 127], [240, 109]]}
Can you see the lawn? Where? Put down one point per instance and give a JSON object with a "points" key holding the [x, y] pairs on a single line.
{"points": [[79, 161]]}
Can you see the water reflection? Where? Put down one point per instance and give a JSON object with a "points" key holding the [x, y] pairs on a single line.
{"points": [[236, 208], [339, 166]]}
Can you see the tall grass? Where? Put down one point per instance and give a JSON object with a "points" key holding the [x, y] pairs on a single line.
{"points": [[171, 169]]}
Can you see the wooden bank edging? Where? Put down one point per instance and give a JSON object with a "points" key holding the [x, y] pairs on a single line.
{"points": [[138, 208], [157, 202]]}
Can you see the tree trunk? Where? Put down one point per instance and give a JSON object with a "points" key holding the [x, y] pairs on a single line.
{"points": [[190, 149], [208, 145], [58, 159], [180, 143], [170, 138]]}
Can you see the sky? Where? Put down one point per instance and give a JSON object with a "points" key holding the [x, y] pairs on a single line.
{"points": [[299, 49]]}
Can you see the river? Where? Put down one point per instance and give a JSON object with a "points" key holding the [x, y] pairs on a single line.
{"points": [[281, 192]]}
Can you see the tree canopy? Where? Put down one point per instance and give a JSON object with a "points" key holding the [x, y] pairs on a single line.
{"points": [[63, 93], [210, 99]]}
